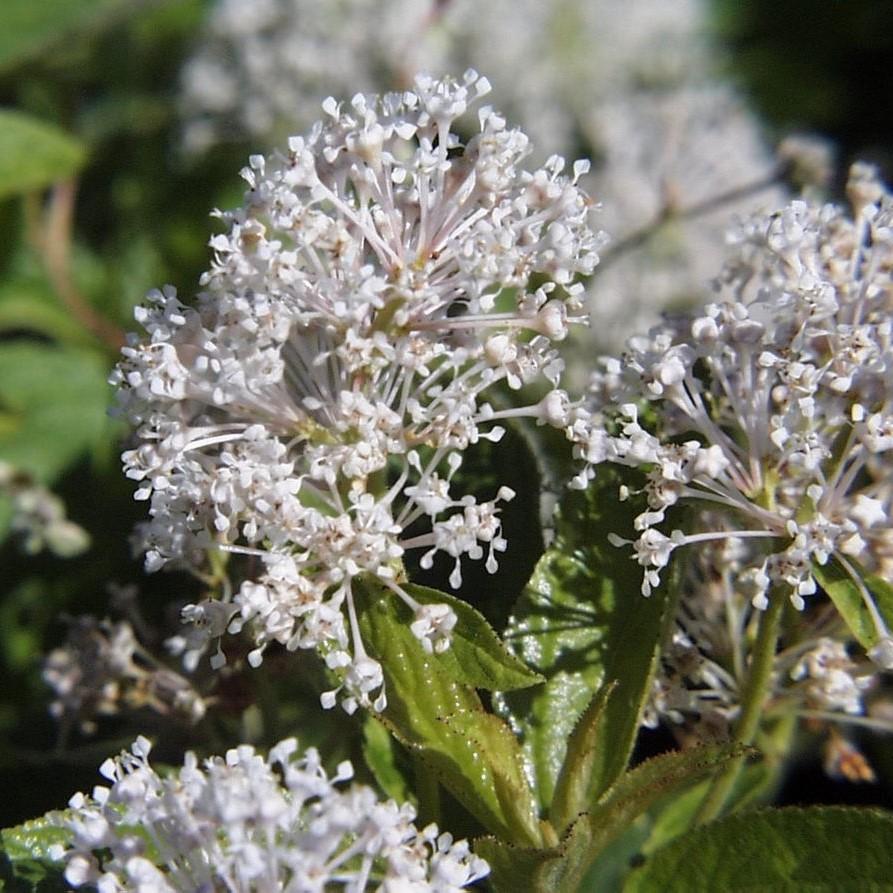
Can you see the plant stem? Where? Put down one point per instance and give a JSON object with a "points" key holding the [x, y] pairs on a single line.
{"points": [[669, 212], [754, 700], [54, 246]]}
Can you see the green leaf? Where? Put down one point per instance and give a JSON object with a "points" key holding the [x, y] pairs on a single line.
{"points": [[27, 28], [471, 752], [31, 306], [476, 656], [53, 401], [674, 816], [818, 849], [378, 751], [26, 863], [639, 789], [563, 867], [572, 790], [614, 863], [583, 622], [34, 154], [513, 868], [843, 591]]}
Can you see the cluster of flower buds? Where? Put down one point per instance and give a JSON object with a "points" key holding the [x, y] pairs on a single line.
{"points": [[275, 824], [316, 403]]}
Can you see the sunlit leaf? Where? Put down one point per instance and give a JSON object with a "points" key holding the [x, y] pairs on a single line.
{"points": [[583, 622], [476, 656], [26, 863], [849, 601], [472, 753]]}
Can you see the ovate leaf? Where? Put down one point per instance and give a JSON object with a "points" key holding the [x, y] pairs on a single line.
{"points": [[34, 154], [849, 601], [818, 849], [583, 622], [471, 752]]}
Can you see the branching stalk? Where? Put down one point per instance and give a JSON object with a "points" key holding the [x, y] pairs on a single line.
{"points": [[753, 701]]}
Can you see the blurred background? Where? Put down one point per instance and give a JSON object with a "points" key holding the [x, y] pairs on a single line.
{"points": [[124, 122]]}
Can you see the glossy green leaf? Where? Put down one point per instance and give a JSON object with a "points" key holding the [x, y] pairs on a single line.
{"points": [[818, 849], [583, 622], [848, 600], [476, 656], [27, 28], [34, 154], [53, 401], [26, 863], [471, 752]]}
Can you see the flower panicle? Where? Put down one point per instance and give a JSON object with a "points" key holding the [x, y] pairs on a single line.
{"points": [[311, 411], [771, 410], [249, 822]]}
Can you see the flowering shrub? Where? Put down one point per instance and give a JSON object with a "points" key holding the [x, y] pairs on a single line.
{"points": [[375, 395]]}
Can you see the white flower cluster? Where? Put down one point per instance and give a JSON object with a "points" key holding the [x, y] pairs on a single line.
{"points": [[773, 408], [102, 669], [703, 670], [633, 86], [38, 516], [248, 823], [316, 403]]}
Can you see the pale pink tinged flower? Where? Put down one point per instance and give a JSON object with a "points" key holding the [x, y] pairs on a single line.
{"points": [[317, 401]]}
